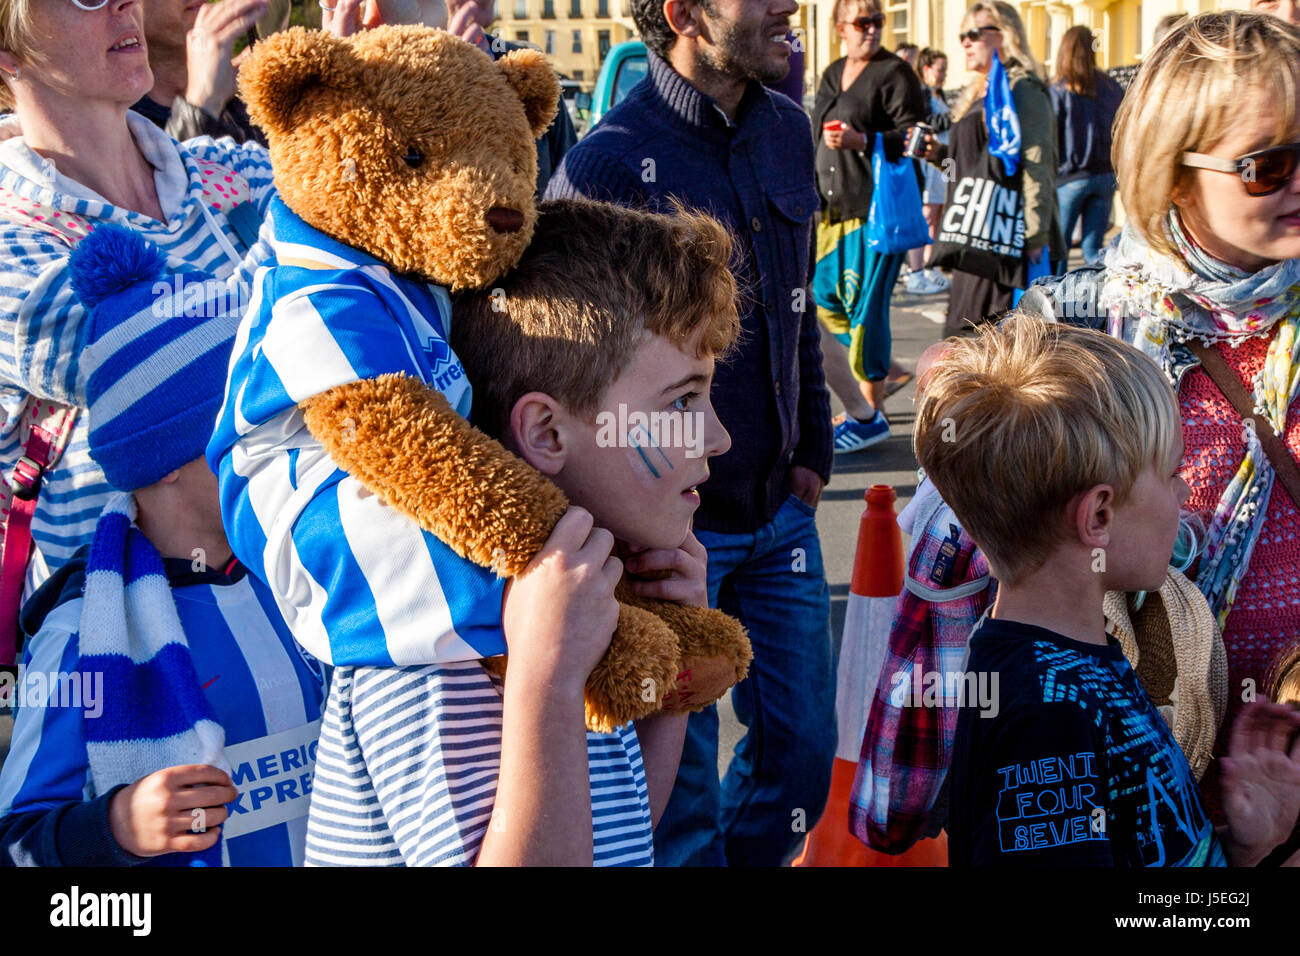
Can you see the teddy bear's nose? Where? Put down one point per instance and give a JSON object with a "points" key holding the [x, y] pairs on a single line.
{"points": [[503, 219]]}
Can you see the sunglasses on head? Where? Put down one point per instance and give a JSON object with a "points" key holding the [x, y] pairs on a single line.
{"points": [[1262, 173], [974, 34], [861, 23]]}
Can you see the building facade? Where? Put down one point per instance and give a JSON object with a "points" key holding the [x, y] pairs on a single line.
{"points": [[574, 34]]}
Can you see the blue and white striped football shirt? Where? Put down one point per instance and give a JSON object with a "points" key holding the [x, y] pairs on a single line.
{"points": [[357, 582], [265, 692], [41, 319], [406, 774]]}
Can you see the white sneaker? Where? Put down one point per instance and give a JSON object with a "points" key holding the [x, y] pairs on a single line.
{"points": [[918, 283], [938, 279]]}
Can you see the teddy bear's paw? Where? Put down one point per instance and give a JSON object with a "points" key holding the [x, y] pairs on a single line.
{"points": [[702, 632], [702, 681], [639, 668]]}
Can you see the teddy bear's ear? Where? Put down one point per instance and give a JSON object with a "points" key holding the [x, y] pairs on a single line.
{"points": [[534, 80], [281, 67]]}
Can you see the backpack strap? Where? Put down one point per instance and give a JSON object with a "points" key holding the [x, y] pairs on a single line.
{"points": [[49, 426]]}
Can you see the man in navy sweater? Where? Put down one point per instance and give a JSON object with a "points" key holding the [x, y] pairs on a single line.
{"points": [[702, 129]]}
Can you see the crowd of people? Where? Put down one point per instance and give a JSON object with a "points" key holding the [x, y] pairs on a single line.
{"points": [[1075, 422]]}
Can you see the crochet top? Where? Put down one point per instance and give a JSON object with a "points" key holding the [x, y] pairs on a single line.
{"points": [[1266, 613]]}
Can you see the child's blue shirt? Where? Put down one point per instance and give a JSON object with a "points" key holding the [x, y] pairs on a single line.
{"points": [[266, 694], [357, 582]]}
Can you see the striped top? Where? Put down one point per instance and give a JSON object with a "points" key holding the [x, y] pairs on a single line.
{"points": [[407, 772], [41, 320], [264, 691], [358, 582]]}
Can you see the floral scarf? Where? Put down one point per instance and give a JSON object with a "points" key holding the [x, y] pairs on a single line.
{"points": [[1158, 302]]}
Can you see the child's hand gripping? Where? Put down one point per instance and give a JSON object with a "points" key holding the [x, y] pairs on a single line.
{"points": [[715, 653], [1261, 781], [560, 612], [174, 810]]}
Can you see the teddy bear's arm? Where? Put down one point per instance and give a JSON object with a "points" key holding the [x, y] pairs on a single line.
{"points": [[404, 441]]}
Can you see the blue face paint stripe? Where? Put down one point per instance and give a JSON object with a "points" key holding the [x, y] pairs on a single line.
{"points": [[647, 461]]}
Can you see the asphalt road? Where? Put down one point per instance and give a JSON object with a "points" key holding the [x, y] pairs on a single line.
{"points": [[917, 323]]}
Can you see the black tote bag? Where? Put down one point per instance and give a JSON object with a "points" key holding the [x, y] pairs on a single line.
{"points": [[982, 230]]}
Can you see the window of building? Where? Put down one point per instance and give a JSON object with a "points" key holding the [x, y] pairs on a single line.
{"points": [[602, 43], [577, 41], [550, 42], [602, 8], [548, 9], [521, 9], [575, 9], [897, 24], [579, 75], [521, 36]]}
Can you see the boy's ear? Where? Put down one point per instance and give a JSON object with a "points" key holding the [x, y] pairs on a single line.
{"points": [[1093, 517], [537, 432]]}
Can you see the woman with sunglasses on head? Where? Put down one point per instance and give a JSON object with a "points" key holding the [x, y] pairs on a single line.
{"points": [[1206, 280], [73, 157], [868, 91], [993, 30]]}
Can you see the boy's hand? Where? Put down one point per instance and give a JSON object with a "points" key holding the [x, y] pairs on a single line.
{"points": [[175, 810], [1261, 780], [680, 574], [560, 612]]}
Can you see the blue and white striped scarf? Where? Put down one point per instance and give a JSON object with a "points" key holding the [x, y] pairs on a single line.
{"points": [[155, 713]]}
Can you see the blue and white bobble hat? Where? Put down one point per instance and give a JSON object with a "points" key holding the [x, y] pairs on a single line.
{"points": [[155, 377]]}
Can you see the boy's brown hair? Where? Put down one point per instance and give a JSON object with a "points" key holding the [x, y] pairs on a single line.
{"points": [[594, 281], [1017, 421]]}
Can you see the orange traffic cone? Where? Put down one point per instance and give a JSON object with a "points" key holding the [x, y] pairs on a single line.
{"points": [[873, 596]]}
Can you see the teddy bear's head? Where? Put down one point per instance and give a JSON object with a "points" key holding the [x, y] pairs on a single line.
{"points": [[407, 143]]}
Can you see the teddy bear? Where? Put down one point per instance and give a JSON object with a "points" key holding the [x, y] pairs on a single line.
{"points": [[417, 148]]}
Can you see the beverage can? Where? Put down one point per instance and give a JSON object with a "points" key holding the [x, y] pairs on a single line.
{"points": [[914, 144]]}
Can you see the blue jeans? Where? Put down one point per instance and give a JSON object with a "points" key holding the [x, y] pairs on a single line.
{"points": [[1090, 198], [776, 786]]}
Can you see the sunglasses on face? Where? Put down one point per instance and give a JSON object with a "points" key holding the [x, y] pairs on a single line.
{"points": [[1262, 173], [973, 34], [861, 23], [91, 5]]}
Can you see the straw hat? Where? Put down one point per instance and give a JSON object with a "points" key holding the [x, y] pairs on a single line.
{"points": [[1174, 645]]}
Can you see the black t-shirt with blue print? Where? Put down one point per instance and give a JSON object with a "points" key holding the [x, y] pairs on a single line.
{"points": [[1071, 765]]}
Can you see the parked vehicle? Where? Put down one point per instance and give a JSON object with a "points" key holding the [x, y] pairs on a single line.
{"points": [[624, 67]]}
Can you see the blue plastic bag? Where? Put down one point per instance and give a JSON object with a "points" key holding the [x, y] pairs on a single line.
{"points": [[895, 222], [1036, 270]]}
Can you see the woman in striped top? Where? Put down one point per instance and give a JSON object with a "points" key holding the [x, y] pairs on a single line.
{"points": [[72, 157]]}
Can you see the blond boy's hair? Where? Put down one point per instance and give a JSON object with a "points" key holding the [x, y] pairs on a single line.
{"points": [[1283, 679], [1017, 421], [595, 281], [1205, 75]]}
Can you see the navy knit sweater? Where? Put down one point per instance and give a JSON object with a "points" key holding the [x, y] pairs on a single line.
{"points": [[668, 140]]}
